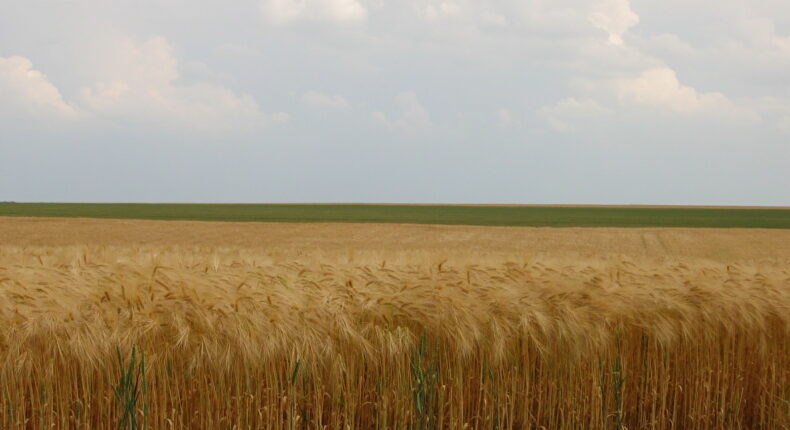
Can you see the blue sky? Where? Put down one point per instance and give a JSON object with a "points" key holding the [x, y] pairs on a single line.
{"points": [[450, 101]]}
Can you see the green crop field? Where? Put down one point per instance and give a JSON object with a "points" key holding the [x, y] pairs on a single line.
{"points": [[538, 216]]}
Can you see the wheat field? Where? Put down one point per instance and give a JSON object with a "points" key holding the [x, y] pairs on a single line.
{"points": [[132, 324]]}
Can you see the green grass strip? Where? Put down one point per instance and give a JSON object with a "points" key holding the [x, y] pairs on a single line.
{"points": [[428, 214]]}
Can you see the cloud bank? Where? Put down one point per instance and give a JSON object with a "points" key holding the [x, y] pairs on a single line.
{"points": [[427, 100]]}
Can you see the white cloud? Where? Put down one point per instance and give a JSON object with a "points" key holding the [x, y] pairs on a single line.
{"points": [[774, 110], [144, 89], [27, 92], [442, 10], [504, 117], [667, 44], [661, 88], [614, 17], [282, 12], [464, 11], [658, 89], [760, 32], [325, 101], [237, 50], [564, 115], [784, 124], [412, 116]]}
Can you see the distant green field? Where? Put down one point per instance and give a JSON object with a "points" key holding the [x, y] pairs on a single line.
{"points": [[451, 215]]}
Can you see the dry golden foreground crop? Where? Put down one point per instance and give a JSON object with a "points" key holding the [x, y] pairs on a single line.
{"points": [[146, 325]]}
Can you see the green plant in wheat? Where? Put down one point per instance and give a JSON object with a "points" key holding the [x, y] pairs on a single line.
{"points": [[425, 370], [131, 391], [618, 387], [618, 380]]}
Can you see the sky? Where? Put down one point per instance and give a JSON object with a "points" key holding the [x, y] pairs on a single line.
{"points": [[406, 101]]}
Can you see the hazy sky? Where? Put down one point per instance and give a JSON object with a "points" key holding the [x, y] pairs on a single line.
{"points": [[513, 101]]}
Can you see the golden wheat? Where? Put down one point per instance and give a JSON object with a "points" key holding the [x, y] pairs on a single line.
{"points": [[403, 242], [243, 339]]}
